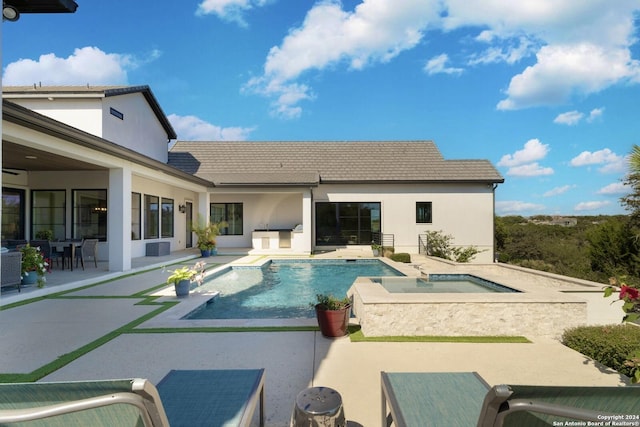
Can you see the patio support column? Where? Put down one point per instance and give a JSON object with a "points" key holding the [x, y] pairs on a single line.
{"points": [[203, 205], [119, 219], [307, 220]]}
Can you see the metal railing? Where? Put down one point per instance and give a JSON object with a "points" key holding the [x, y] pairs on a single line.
{"points": [[423, 244], [384, 240]]}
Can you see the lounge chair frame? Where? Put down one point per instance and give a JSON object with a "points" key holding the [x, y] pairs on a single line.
{"points": [[141, 394], [498, 405]]}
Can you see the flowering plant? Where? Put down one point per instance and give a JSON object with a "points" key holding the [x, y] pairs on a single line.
{"points": [[34, 262], [629, 294], [631, 307], [188, 273]]}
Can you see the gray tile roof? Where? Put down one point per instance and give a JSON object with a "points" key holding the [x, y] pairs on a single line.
{"points": [[290, 163]]}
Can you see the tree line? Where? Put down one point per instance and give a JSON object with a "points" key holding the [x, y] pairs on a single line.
{"points": [[595, 248]]}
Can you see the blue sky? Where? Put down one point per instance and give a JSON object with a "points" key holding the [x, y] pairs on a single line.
{"points": [[547, 90]]}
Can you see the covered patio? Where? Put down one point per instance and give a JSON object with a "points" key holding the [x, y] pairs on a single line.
{"points": [[62, 280]]}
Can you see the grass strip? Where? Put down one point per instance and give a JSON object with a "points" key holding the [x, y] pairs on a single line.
{"points": [[67, 358]]}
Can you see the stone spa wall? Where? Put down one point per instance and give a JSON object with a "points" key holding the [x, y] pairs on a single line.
{"points": [[539, 314]]}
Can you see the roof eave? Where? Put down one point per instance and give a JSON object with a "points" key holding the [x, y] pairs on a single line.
{"points": [[416, 181], [22, 116]]}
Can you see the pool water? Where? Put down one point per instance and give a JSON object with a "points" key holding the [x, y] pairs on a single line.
{"points": [[440, 283], [283, 288]]}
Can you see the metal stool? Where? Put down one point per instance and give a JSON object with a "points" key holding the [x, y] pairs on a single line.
{"points": [[318, 407]]}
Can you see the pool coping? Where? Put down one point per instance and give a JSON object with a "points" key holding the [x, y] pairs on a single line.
{"points": [[529, 293], [174, 317]]}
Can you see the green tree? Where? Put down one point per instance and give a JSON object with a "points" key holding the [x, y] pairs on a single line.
{"points": [[612, 250]]}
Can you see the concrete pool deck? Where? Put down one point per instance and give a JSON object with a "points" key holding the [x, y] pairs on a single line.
{"points": [[38, 333]]}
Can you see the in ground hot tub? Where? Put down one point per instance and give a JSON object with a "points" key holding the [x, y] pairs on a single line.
{"points": [[419, 308]]}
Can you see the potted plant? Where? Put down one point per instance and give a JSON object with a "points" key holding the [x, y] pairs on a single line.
{"points": [[34, 266], [207, 233], [332, 314], [376, 249], [182, 277]]}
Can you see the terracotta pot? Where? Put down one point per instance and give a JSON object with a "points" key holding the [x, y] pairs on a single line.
{"points": [[333, 323]]}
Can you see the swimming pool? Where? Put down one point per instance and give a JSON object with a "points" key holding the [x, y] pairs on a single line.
{"points": [[440, 283], [283, 288]]}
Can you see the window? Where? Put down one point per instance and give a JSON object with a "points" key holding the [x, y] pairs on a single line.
{"points": [[229, 212], [13, 204], [48, 212], [136, 227], [116, 113], [151, 216], [347, 223], [423, 212], [166, 222], [90, 214]]}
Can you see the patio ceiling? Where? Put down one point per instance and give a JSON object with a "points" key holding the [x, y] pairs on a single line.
{"points": [[16, 157]]}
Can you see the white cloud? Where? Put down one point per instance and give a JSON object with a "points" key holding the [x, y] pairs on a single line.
{"points": [[595, 114], [533, 150], [509, 51], [614, 188], [564, 70], [192, 128], [229, 10], [375, 32], [582, 46], [590, 206], [524, 162], [576, 48], [612, 163], [438, 65], [86, 65], [569, 118], [530, 169], [517, 207], [572, 118], [558, 191]]}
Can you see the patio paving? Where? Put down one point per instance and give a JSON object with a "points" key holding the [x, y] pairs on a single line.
{"points": [[37, 333]]}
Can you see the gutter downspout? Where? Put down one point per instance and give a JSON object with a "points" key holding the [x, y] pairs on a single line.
{"points": [[493, 220]]}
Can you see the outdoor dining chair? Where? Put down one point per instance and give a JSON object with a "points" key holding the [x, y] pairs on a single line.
{"points": [[88, 249]]}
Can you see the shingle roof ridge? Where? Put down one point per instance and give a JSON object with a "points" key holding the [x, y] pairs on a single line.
{"points": [[305, 141], [60, 88]]}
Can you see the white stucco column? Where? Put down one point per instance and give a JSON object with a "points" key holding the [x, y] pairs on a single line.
{"points": [[119, 219], [307, 220], [203, 205]]}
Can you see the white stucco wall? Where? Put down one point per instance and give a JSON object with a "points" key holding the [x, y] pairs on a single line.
{"points": [[146, 186], [462, 211], [139, 129], [83, 114], [277, 209]]}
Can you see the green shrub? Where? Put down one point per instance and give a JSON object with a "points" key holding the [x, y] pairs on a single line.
{"points": [[400, 257], [439, 245], [611, 345]]}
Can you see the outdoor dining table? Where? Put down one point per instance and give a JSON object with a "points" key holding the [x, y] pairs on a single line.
{"points": [[68, 249]]}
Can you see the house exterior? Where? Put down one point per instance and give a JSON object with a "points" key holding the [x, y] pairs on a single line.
{"points": [[94, 162]]}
